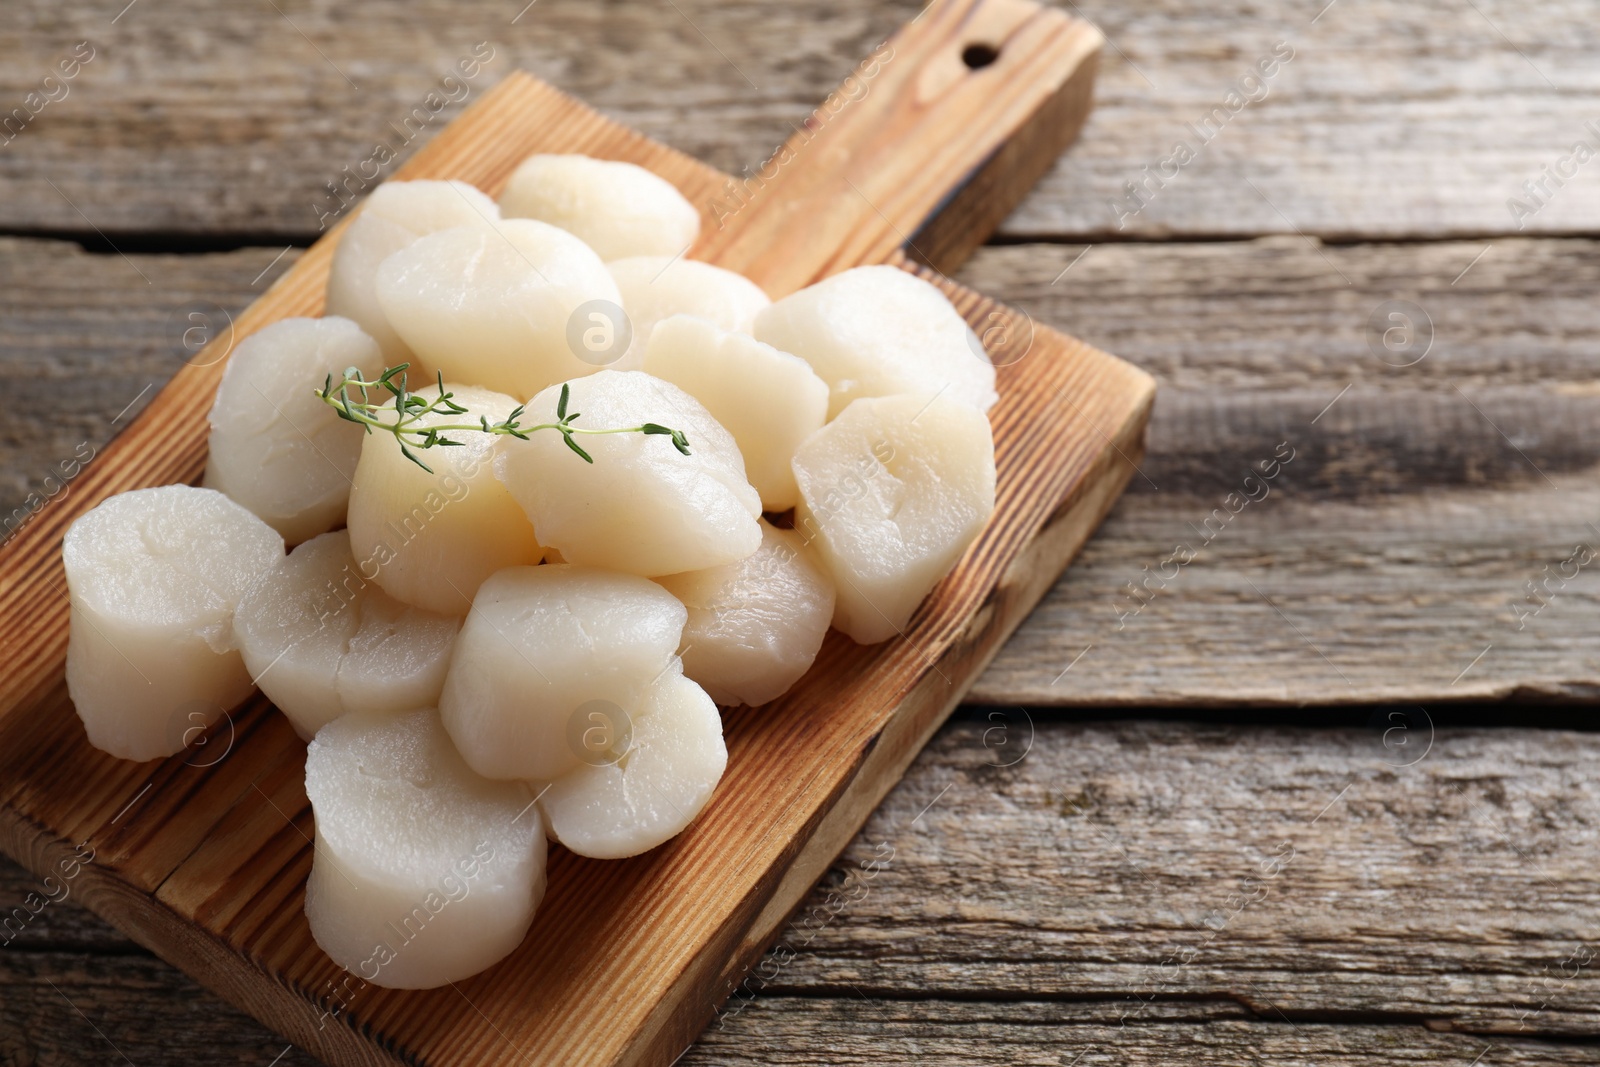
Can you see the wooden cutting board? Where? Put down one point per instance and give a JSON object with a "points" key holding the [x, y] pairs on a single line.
{"points": [[203, 857]]}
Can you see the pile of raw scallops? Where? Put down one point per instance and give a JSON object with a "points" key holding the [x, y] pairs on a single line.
{"points": [[488, 636]]}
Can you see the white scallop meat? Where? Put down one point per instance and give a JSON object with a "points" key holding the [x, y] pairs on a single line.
{"points": [[654, 288], [394, 216], [891, 493], [322, 639], [431, 539], [618, 209], [422, 873], [641, 506], [768, 400], [754, 626], [879, 331], [494, 305], [154, 576], [542, 648], [275, 447]]}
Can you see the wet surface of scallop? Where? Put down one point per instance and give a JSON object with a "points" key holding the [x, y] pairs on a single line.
{"points": [[423, 872], [654, 787], [618, 209], [540, 643], [492, 304], [154, 576], [395, 215], [641, 507], [880, 331], [275, 447], [323, 640], [768, 400], [892, 492], [432, 539], [754, 626], [656, 287]]}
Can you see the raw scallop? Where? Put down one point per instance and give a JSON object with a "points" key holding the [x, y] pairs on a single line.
{"points": [[154, 576], [769, 400], [654, 287], [496, 305], [754, 626], [878, 331], [275, 447], [433, 538], [322, 639], [541, 647], [618, 209], [641, 506], [652, 787], [423, 873], [891, 494], [396, 214]]}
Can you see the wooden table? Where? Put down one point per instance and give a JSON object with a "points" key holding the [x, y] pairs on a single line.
{"points": [[1137, 846]]}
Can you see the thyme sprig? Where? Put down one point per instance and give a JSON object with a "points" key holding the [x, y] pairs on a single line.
{"points": [[410, 409]]}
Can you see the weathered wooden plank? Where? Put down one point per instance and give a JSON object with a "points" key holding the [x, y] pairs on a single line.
{"points": [[1406, 872], [1014, 899], [156, 1017], [160, 1019], [1398, 541], [67, 1009], [842, 1030], [199, 119], [1314, 602], [1398, 544], [1391, 119]]}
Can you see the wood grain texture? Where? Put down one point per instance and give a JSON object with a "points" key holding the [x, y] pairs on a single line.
{"points": [[870, 169], [1379, 127], [1408, 872], [1398, 545], [1394, 119], [1398, 540], [207, 865], [1015, 896]]}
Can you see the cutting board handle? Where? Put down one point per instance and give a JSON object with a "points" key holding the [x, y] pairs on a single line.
{"points": [[924, 148]]}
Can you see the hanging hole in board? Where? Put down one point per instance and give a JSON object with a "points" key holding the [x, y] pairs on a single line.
{"points": [[978, 56]]}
